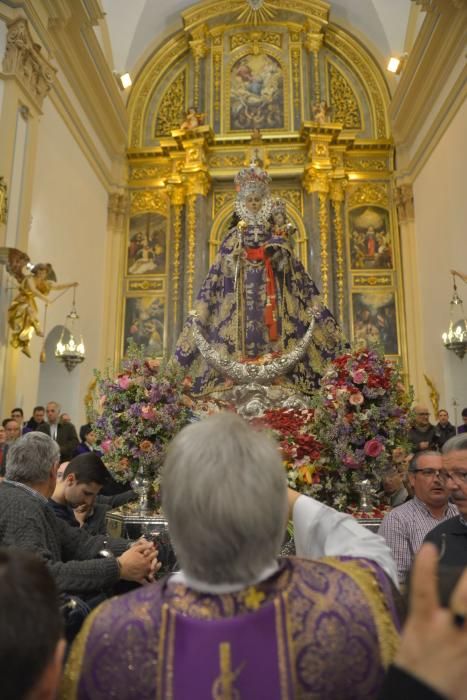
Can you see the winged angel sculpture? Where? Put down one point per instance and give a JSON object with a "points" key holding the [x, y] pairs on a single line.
{"points": [[34, 282]]}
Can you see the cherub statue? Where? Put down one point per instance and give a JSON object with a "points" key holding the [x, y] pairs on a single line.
{"points": [[321, 112], [192, 120], [35, 282]]}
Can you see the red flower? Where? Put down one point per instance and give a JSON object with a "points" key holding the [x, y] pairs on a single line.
{"points": [[372, 448]]}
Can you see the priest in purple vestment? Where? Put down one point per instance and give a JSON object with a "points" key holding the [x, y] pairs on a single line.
{"points": [[257, 296], [236, 621]]}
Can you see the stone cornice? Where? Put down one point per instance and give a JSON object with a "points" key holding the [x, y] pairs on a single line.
{"points": [[431, 88], [23, 60], [79, 55], [65, 28]]}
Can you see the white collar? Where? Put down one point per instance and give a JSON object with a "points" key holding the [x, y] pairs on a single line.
{"points": [[219, 588]]}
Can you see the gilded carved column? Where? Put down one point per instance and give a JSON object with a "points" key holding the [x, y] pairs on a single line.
{"points": [[177, 199], [322, 187], [199, 49], [337, 200], [191, 245], [313, 43], [197, 182]]}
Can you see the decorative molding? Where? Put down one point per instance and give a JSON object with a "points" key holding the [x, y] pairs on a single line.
{"points": [[3, 201], [432, 5], [431, 88], [345, 109], [142, 201], [404, 203], [317, 10], [369, 193], [372, 280], [144, 86], [146, 285], [24, 61], [265, 37], [370, 75], [172, 107], [118, 207], [324, 240], [72, 39]]}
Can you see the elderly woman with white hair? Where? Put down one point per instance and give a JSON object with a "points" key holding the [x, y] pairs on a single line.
{"points": [[237, 621]]}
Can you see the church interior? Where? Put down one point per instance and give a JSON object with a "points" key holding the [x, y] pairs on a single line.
{"points": [[90, 168], [214, 211]]}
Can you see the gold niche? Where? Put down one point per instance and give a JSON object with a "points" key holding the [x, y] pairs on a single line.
{"points": [[323, 169]]}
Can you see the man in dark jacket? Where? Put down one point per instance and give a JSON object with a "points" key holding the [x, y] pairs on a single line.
{"points": [[79, 563], [63, 433], [451, 535], [78, 487], [422, 434], [37, 418], [444, 430]]}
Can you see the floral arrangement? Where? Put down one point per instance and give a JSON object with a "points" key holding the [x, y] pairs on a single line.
{"points": [[300, 450], [362, 412], [141, 409], [358, 416]]}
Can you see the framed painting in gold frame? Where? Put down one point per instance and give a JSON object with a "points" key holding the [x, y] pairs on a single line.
{"points": [[374, 319], [370, 239], [144, 322], [147, 244]]}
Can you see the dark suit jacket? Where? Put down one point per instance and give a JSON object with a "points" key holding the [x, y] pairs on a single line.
{"points": [[3, 454], [450, 537], [67, 438]]}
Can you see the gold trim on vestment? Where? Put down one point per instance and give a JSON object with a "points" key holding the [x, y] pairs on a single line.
{"points": [[366, 580], [72, 672], [161, 646]]}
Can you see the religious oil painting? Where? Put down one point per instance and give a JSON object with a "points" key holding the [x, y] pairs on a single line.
{"points": [[147, 244], [144, 324], [370, 239], [375, 320], [256, 93]]}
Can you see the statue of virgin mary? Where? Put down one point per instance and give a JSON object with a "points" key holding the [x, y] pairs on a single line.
{"points": [[255, 304]]}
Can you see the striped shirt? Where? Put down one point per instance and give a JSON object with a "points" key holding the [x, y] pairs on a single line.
{"points": [[405, 528]]}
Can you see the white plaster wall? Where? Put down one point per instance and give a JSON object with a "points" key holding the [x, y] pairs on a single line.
{"points": [[440, 199], [68, 229], [3, 33]]}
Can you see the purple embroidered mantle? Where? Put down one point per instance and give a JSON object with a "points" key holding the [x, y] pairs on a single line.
{"points": [[231, 311], [324, 630]]}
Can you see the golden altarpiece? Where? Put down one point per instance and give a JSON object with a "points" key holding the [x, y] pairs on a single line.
{"points": [[311, 102]]}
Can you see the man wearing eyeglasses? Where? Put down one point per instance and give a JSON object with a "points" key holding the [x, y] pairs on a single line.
{"points": [[422, 435], [405, 527], [451, 536]]}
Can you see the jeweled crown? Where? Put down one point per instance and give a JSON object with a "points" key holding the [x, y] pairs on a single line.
{"points": [[279, 207], [252, 179]]}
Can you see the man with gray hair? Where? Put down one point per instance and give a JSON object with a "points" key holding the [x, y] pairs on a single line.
{"points": [[81, 564], [404, 528], [451, 536], [63, 433], [236, 621]]}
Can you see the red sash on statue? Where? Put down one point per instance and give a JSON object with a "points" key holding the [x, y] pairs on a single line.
{"points": [[270, 312]]}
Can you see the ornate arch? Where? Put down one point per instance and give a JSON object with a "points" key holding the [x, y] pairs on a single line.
{"points": [[328, 166]]}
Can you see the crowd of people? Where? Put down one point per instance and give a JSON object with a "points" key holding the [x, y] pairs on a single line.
{"points": [[325, 624], [328, 623]]}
